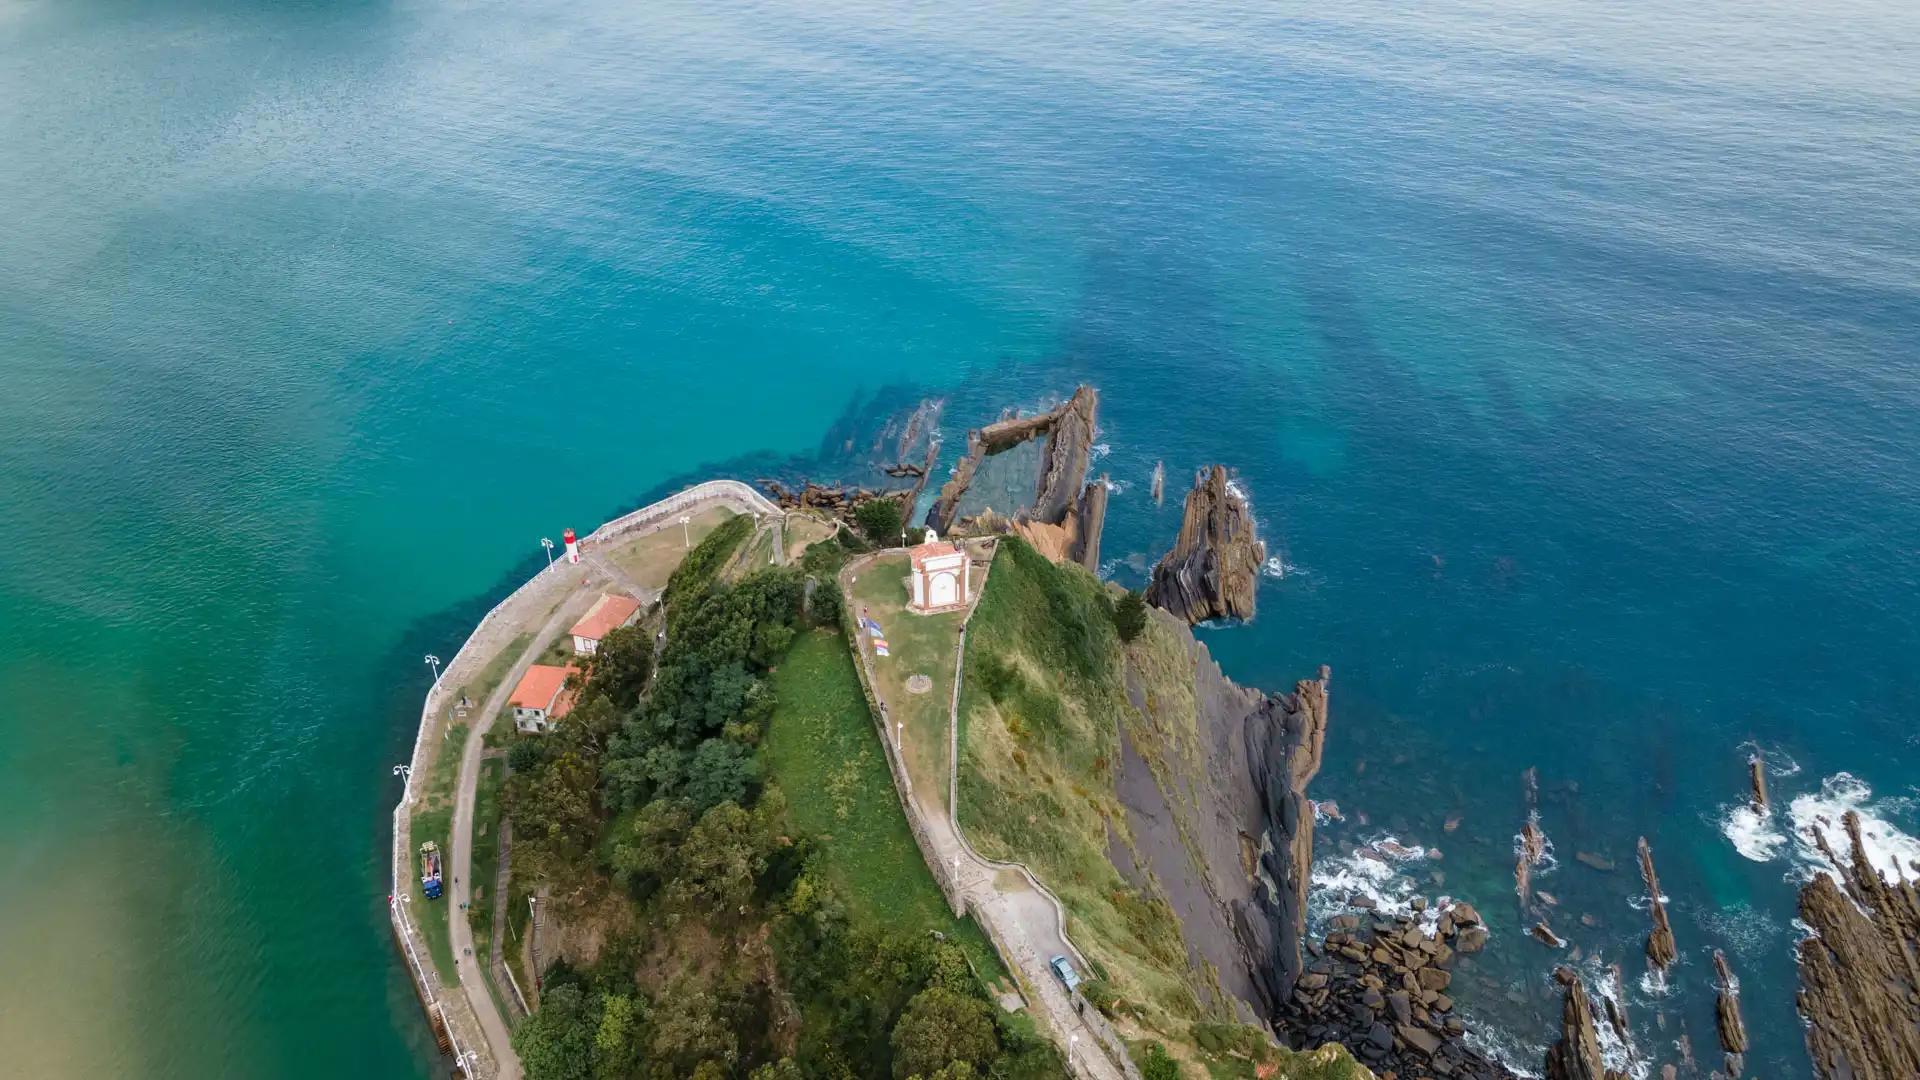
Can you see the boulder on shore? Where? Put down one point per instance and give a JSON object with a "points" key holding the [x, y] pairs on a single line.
{"points": [[1213, 570]]}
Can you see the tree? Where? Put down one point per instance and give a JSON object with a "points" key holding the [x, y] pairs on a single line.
{"points": [[688, 1028], [553, 810], [880, 519], [719, 772], [940, 1028], [720, 861], [556, 1042], [1130, 616], [616, 1042], [646, 853], [620, 666]]}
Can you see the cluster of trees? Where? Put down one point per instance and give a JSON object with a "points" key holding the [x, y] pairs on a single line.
{"points": [[871, 1003], [652, 786]]}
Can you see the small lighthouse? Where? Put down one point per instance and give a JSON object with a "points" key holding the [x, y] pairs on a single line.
{"points": [[573, 545]]}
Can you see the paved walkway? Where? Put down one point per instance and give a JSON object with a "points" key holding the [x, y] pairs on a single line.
{"points": [[479, 1031], [1016, 911]]}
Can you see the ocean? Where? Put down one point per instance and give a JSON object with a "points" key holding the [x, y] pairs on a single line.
{"points": [[1569, 355]]}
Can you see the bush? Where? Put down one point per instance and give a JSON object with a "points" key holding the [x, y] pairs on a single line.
{"points": [[1130, 616], [697, 570], [881, 520]]}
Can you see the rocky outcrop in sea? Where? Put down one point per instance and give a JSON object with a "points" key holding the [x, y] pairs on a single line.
{"points": [[1213, 570]]}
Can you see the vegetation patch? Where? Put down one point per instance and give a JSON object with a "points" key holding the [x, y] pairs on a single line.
{"points": [[823, 751], [1042, 705]]}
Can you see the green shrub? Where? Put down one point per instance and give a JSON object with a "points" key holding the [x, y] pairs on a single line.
{"points": [[1130, 616], [1156, 1065], [881, 520], [697, 570]]}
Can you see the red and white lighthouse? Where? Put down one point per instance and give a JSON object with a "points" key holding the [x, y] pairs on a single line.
{"points": [[573, 545]]}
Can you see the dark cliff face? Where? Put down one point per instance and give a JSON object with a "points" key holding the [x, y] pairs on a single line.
{"points": [[1213, 570], [1860, 972]]}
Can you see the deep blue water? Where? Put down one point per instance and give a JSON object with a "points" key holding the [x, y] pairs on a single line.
{"points": [[1571, 358]]}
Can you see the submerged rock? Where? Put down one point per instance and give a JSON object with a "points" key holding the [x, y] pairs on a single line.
{"points": [[1213, 570]]}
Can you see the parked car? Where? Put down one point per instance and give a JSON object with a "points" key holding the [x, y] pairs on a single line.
{"points": [[1063, 970]]}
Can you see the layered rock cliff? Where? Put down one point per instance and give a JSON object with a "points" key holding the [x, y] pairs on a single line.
{"points": [[1860, 970], [1213, 570], [1284, 739]]}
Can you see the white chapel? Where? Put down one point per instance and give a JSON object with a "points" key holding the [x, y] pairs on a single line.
{"points": [[942, 575]]}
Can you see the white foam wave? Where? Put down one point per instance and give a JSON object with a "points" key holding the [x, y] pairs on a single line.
{"points": [[1374, 870], [1098, 450], [1520, 1058], [1615, 1052], [1894, 853], [1118, 487], [1547, 859], [1278, 568], [1753, 834], [1779, 764]]}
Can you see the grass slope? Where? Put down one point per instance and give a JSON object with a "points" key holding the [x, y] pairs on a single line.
{"points": [[823, 752], [1041, 708]]}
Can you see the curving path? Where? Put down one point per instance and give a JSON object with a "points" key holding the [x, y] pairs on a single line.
{"points": [[480, 1035], [1025, 921]]}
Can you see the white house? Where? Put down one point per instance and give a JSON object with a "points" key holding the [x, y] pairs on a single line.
{"points": [[610, 612], [942, 576], [542, 698]]}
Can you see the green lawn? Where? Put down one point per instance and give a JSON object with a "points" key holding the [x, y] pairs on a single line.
{"points": [[919, 645], [433, 820], [823, 752], [486, 851]]}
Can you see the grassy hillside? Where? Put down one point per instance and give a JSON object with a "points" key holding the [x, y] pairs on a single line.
{"points": [[1042, 705], [822, 751]]}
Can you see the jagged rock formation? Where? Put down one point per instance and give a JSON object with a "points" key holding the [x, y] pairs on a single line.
{"points": [[1284, 739], [1757, 782], [1727, 1019], [1660, 947], [1067, 514], [1069, 432], [1577, 1055], [1091, 513], [1381, 991], [1214, 567], [1860, 971], [1159, 482]]}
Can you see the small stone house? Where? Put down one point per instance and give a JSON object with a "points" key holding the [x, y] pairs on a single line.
{"points": [[542, 698], [610, 612]]}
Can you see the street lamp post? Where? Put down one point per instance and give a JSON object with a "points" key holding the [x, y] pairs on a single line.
{"points": [[1072, 1041], [686, 536], [548, 544], [433, 662]]}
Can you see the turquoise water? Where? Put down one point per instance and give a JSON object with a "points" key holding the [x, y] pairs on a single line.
{"points": [[1570, 357]]}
